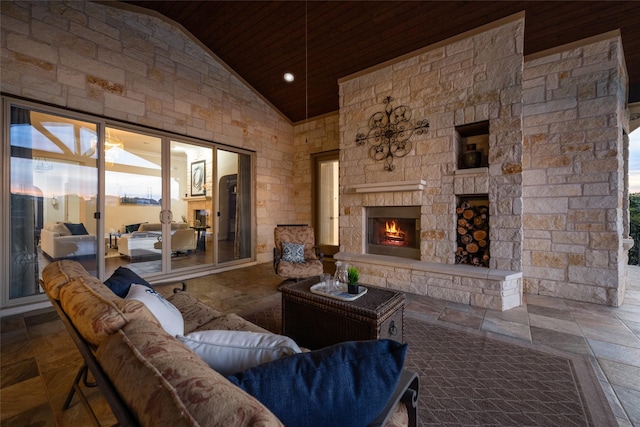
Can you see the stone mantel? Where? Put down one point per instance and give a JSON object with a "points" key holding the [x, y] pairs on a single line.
{"points": [[389, 187]]}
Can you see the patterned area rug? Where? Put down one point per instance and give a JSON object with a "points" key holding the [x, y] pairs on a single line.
{"points": [[470, 379]]}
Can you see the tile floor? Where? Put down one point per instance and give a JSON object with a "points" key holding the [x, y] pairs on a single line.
{"points": [[39, 360]]}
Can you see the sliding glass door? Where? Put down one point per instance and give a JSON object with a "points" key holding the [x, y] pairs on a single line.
{"points": [[191, 206], [133, 196], [158, 223], [234, 206], [52, 197], [112, 195]]}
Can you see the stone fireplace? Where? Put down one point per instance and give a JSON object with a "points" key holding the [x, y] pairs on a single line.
{"points": [[394, 231], [391, 257], [201, 217], [469, 109], [540, 206]]}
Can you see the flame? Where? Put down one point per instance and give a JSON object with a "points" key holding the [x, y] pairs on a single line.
{"points": [[393, 234], [391, 229]]}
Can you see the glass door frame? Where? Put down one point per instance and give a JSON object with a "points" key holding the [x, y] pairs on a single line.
{"points": [[316, 159], [166, 272], [252, 204], [6, 102], [101, 124]]}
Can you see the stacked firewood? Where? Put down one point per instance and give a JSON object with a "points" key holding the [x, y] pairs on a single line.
{"points": [[473, 235]]}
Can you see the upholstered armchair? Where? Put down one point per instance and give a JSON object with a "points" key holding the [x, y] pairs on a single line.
{"points": [[295, 255]]}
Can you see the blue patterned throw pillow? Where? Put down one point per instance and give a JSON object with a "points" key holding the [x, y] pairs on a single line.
{"points": [[346, 385], [292, 252]]}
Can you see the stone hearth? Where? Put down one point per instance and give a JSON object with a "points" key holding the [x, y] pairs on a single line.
{"points": [[477, 286]]}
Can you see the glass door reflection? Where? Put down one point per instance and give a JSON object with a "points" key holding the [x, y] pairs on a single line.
{"points": [[191, 205], [133, 199], [53, 197], [234, 206]]}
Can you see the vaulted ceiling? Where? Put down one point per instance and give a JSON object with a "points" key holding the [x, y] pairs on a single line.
{"points": [[261, 40]]}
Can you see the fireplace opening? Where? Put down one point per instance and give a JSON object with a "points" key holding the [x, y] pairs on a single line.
{"points": [[201, 217], [394, 231]]}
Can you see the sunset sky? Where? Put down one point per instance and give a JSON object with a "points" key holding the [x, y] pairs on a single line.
{"points": [[634, 161]]}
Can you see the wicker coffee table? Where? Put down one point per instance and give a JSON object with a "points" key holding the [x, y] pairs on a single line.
{"points": [[316, 321]]}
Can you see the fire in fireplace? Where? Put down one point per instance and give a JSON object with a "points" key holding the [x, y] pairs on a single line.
{"points": [[394, 230], [392, 234]]}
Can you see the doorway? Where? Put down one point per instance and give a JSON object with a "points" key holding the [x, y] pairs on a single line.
{"points": [[326, 201]]}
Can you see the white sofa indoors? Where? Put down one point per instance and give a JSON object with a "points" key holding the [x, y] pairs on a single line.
{"points": [[145, 241], [66, 240]]}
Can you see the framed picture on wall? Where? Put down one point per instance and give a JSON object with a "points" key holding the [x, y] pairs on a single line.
{"points": [[198, 178]]}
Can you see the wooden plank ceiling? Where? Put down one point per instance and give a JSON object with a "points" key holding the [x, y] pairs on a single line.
{"points": [[261, 40]]}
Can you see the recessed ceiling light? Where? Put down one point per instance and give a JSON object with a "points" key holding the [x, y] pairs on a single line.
{"points": [[288, 77]]}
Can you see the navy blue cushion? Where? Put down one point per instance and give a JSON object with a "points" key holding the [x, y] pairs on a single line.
{"points": [[76, 229], [346, 384], [121, 280], [132, 227]]}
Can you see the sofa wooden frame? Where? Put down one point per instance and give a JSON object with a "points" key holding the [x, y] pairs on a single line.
{"points": [[406, 390]]}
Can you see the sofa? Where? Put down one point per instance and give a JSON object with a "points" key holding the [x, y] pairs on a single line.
{"points": [[150, 377], [66, 240], [146, 241]]}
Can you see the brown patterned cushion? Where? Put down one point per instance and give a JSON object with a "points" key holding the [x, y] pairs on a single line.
{"points": [[173, 386], [58, 273], [96, 311], [298, 270], [195, 313], [296, 234]]}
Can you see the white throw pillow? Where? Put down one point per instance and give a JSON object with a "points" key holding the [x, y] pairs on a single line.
{"points": [[228, 352], [167, 314]]}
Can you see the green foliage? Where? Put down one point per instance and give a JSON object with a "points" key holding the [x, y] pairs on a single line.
{"points": [[353, 275]]}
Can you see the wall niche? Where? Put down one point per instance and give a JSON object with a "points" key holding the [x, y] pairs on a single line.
{"points": [[473, 230], [472, 144]]}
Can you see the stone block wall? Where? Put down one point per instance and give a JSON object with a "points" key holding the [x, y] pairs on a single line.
{"points": [[316, 135], [574, 172], [476, 77], [555, 183], [555, 179], [140, 69]]}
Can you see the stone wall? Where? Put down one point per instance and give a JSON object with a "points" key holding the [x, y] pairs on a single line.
{"points": [[570, 170], [555, 177], [574, 172], [314, 136], [140, 69], [473, 78]]}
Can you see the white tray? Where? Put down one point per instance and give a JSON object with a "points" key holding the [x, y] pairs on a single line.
{"points": [[339, 294]]}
